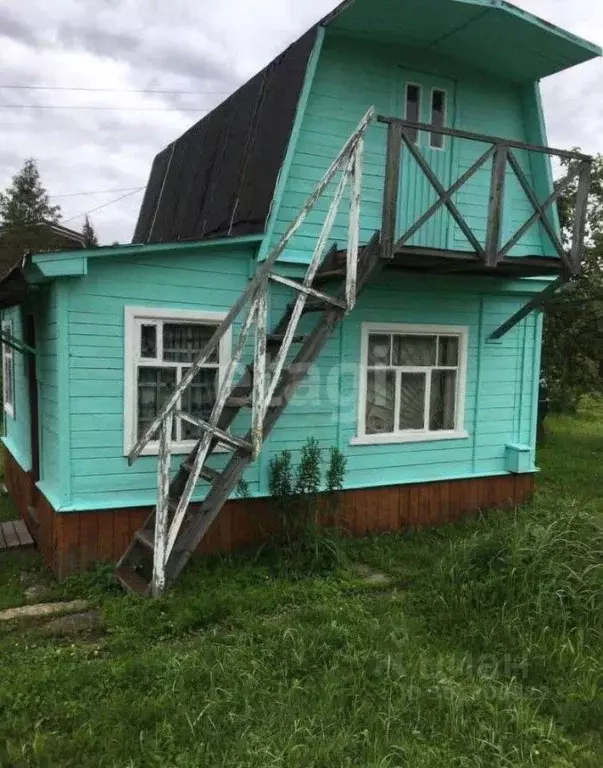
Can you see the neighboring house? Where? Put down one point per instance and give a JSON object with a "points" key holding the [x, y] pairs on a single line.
{"points": [[13, 285], [429, 386]]}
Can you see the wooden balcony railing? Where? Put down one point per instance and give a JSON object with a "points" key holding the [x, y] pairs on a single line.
{"points": [[502, 154]]}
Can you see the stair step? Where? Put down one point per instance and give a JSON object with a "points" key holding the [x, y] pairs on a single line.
{"points": [[239, 402], [146, 538], [207, 473], [233, 442], [310, 306], [132, 581], [328, 275], [278, 338]]}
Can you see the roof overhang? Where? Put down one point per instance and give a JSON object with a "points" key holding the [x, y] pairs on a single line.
{"points": [[36, 269], [493, 35]]}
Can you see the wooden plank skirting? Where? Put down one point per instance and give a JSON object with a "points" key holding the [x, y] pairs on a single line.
{"points": [[71, 542]]}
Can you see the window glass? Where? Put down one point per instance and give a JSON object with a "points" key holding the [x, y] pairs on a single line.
{"points": [[414, 350], [379, 350], [381, 402], [148, 341], [438, 117], [412, 400], [413, 110], [443, 400], [182, 342], [199, 400], [155, 385], [448, 353]]}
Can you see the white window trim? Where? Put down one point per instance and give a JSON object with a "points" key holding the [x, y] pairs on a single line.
{"points": [[132, 318], [444, 137], [459, 431], [9, 407]]}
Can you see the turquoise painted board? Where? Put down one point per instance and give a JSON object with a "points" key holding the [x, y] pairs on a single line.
{"points": [[206, 280], [17, 433], [353, 75], [499, 399]]}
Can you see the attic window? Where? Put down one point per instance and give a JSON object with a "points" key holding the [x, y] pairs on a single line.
{"points": [[438, 117], [413, 110]]}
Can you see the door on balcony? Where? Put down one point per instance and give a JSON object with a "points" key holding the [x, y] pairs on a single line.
{"points": [[426, 99]]}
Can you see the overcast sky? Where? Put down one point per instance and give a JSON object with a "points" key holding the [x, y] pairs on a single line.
{"points": [[207, 47]]}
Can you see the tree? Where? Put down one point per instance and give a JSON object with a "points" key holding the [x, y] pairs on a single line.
{"points": [[573, 341], [90, 238], [25, 216]]}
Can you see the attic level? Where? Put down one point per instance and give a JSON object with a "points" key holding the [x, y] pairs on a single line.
{"points": [[458, 175]]}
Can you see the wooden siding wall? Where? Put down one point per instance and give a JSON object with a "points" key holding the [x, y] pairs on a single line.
{"points": [[17, 429], [73, 542], [502, 377], [502, 383], [353, 75], [202, 281]]}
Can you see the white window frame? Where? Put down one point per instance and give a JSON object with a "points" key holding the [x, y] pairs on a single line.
{"points": [[8, 368], [412, 436], [445, 121], [135, 318]]}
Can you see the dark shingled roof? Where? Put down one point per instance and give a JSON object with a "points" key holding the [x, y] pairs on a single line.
{"points": [[218, 178]]}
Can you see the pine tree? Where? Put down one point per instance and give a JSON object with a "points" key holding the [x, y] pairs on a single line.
{"points": [[90, 238], [25, 216]]}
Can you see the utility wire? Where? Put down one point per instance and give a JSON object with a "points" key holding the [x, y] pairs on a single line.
{"points": [[114, 109], [98, 208], [96, 192], [113, 90]]}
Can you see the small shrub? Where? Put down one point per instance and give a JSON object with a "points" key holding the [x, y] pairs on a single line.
{"points": [[297, 493]]}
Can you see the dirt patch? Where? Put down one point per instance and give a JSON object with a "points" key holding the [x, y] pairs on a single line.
{"points": [[74, 625], [43, 609], [369, 575]]}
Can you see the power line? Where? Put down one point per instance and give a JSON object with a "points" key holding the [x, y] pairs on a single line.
{"points": [[105, 205], [97, 192], [114, 109], [113, 90]]}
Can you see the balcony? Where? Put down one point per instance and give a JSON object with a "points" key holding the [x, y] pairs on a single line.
{"points": [[498, 218]]}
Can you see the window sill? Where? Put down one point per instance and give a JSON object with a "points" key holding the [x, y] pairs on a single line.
{"points": [[427, 437]]}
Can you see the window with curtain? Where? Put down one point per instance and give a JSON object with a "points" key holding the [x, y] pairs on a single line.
{"points": [[164, 348], [8, 370], [413, 383]]}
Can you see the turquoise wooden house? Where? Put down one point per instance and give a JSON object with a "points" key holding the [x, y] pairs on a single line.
{"points": [[353, 247]]}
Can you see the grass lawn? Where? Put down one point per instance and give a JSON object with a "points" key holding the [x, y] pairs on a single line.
{"points": [[484, 649]]}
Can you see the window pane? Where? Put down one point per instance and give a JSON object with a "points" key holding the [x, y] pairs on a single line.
{"points": [[412, 401], [380, 402], [155, 385], [414, 350], [443, 400], [438, 116], [413, 110], [198, 400], [379, 350], [449, 350], [182, 342], [148, 341]]}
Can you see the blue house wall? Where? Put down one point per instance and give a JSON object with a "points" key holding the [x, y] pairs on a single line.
{"points": [[345, 77]]}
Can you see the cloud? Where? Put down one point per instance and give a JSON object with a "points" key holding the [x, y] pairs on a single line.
{"points": [[208, 47]]}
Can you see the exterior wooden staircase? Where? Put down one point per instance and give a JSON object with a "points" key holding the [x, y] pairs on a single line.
{"points": [[163, 546]]}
